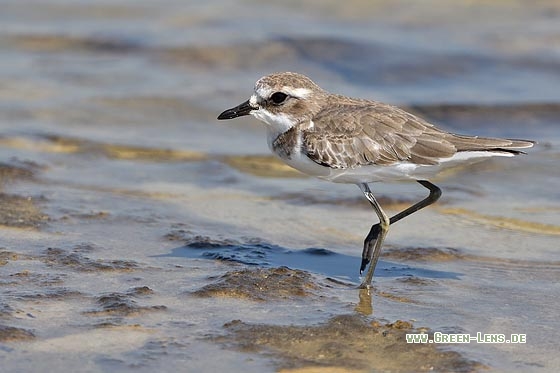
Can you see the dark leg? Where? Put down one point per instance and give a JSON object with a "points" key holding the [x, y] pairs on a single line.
{"points": [[371, 239], [384, 223]]}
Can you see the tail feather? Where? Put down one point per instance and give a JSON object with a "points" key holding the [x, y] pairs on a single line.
{"points": [[521, 144], [506, 150], [475, 143]]}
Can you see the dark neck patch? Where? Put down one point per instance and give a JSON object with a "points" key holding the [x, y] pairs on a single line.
{"points": [[285, 144]]}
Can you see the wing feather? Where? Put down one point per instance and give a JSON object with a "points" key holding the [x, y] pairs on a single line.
{"points": [[371, 134], [376, 133]]}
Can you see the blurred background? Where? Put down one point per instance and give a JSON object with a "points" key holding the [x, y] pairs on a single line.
{"points": [[109, 139]]}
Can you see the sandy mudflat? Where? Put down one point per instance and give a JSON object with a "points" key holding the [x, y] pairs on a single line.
{"points": [[138, 233]]}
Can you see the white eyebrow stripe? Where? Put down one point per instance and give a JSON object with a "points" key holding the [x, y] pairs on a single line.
{"points": [[297, 92]]}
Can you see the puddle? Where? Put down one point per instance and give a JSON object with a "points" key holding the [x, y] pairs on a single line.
{"points": [[255, 252]]}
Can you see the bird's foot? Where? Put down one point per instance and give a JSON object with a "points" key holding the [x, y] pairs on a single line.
{"points": [[369, 244], [365, 286]]}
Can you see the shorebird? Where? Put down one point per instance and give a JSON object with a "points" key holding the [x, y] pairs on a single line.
{"points": [[357, 141]]}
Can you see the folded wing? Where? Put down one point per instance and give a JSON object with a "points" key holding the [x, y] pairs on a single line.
{"points": [[375, 133]]}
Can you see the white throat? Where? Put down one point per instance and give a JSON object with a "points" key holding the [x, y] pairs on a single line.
{"points": [[276, 123], [280, 122]]}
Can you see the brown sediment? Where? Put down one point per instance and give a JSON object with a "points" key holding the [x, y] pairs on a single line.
{"points": [[149, 154], [140, 290], [400, 324], [92, 215], [261, 284], [205, 242], [434, 254], [6, 256], [262, 165], [59, 144], [16, 210], [39, 144], [6, 311], [60, 43], [46, 285], [502, 222], [51, 293], [30, 285], [41, 279], [20, 212], [13, 334], [394, 297], [418, 281], [10, 173], [178, 234], [79, 262], [344, 343], [122, 304], [431, 254]]}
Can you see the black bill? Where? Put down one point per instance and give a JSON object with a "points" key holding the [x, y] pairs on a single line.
{"points": [[238, 111]]}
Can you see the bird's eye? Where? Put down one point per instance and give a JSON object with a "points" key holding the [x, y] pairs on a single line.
{"points": [[278, 97]]}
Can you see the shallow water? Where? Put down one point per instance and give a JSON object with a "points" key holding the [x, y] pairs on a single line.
{"points": [[126, 208]]}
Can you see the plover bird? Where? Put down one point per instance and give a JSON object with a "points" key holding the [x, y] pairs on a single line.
{"points": [[357, 141]]}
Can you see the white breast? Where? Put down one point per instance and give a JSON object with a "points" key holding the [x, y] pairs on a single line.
{"points": [[297, 159]]}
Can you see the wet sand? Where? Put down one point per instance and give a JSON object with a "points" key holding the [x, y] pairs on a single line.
{"points": [[140, 234]]}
